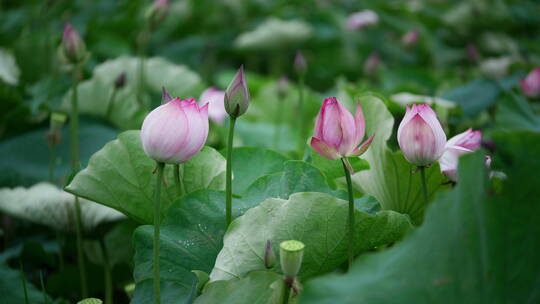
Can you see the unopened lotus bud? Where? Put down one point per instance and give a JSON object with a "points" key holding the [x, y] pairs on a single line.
{"points": [[372, 63], [237, 95], [472, 53], [531, 84], [337, 133], [269, 256], [300, 65], [421, 136], [120, 81], [157, 12], [410, 38], [290, 256], [165, 96], [73, 47], [175, 131]]}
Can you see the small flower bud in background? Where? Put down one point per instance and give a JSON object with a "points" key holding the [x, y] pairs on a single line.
{"points": [[165, 96], [456, 146], [175, 131], [269, 256], [300, 65], [290, 256], [120, 81], [337, 133], [472, 53], [531, 84], [73, 47], [216, 104], [157, 12], [282, 86], [410, 38], [421, 136], [237, 95], [57, 122], [362, 19], [372, 63]]}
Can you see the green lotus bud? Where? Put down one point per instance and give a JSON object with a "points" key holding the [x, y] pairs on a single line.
{"points": [[290, 256], [237, 95], [57, 122], [269, 256], [73, 47]]}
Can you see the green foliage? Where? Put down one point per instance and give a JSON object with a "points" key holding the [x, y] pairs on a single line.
{"points": [[120, 176], [90, 301], [495, 234], [11, 287], [316, 219]]}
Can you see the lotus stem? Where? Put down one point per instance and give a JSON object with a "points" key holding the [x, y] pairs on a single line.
{"points": [[228, 186], [157, 221], [350, 222]]}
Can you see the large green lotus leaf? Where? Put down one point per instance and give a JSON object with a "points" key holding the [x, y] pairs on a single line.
{"points": [[317, 219], [297, 176], [11, 288], [274, 34], [24, 159], [476, 245], [514, 112], [46, 204], [390, 178], [120, 176], [191, 237], [258, 287], [250, 163], [95, 93]]}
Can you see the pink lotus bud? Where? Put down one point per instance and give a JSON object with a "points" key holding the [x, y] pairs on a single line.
{"points": [[421, 136], [216, 104], [456, 146], [73, 46], [157, 12], [410, 38], [531, 84], [300, 65], [165, 96], [237, 95], [120, 81], [282, 86], [337, 133], [362, 19], [472, 52], [372, 63], [174, 132]]}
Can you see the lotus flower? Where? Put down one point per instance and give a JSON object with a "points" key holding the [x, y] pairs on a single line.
{"points": [[216, 104], [237, 95], [337, 133], [456, 146], [372, 63], [531, 84], [300, 65], [421, 136], [410, 38], [73, 46], [175, 131], [362, 19]]}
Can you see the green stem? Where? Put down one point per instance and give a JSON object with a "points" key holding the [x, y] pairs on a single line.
{"points": [[60, 240], [52, 162], [74, 169], [350, 222], [43, 291], [179, 178], [301, 113], [23, 280], [107, 272], [424, 184], [277, 120], [228, 186], [110, 104], [287, 294], [157, 221]]}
